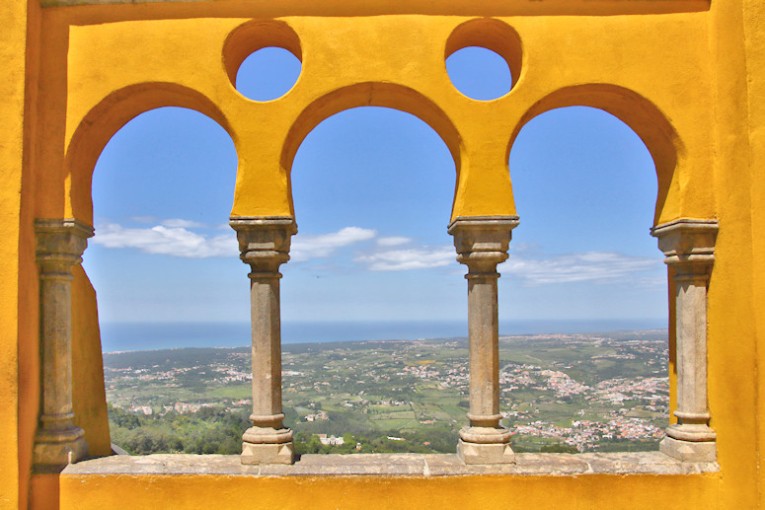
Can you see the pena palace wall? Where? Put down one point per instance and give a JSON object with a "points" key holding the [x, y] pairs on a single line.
{"points": [[688, 76]]}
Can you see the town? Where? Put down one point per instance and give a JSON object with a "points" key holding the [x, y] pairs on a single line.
{"points": [[570, 393]]}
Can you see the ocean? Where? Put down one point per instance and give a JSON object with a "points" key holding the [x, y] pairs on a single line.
{"points": [[170, 335]]}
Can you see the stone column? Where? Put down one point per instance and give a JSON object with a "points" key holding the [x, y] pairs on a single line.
{"points": [[481, 244], [688, 245], [60, 245], [264, 244]]}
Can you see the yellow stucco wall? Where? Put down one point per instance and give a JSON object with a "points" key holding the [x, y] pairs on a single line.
{"points": [[687, 75], [13, 54], [754, 29], [487, 492], [735, 349], [88, 391], [361, 61]]}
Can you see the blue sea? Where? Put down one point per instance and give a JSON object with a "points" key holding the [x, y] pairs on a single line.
{"points": [[167, 335]]}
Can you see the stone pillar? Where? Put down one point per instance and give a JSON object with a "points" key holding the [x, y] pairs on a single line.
{"points": [[481, 244], [688, 245], [264, 244], [60, 245]]}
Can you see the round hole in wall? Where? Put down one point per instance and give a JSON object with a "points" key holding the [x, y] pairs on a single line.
{"points": [[479, 73], [263, 59], [483, 58], [268, 74]]}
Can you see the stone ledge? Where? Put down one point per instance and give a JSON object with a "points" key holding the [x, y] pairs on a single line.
{"points": [[410, 465]]}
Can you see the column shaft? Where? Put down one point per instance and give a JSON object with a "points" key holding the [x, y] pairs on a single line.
{"points": [[266, 350], [56, 339], [691, 351], [483, 328]]}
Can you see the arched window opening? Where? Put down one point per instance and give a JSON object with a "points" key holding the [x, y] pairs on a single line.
{"points": [[585, 277], [372, 190], [165, 265]]}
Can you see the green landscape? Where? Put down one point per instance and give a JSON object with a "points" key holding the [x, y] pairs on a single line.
{"points": [[559, 393]]}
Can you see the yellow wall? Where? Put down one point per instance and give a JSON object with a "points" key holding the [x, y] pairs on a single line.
{"points": [[352, 62], [488, 492], [688, 76], [28, 306], [732, 336], [754, 29], [13, 19], [88, 390]]}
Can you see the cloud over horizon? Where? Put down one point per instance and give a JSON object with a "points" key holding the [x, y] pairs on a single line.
{"points": [[393, 241], [598, 267], [179, 223], [166, 239], [318, 246], [408, 259], [175, 237]]}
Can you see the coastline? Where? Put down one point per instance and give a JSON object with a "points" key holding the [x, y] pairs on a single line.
{"points": [[128, 337]]}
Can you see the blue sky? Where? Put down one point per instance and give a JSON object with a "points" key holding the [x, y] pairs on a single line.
{"points": [[375, 248]]}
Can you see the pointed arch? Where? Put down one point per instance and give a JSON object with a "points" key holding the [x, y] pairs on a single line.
{"points": [[389, 95], [109, 116], [639, 113]]}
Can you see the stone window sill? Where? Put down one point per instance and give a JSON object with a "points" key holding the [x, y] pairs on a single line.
{"points": [[410, 465]]}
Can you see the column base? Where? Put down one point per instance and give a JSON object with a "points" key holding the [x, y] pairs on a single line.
{"points": [[689, 451], [265, 453], [52, 454], [692, 432], [485, 453], [268, 445]]}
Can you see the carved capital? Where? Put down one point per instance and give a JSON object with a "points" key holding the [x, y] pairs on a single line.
{"points": [[482, 241], [688, 245], [264, 242], [60, 245]]}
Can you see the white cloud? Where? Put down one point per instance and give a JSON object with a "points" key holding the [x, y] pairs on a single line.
{"points": [[166, 240], [404, 260], [178, 223], [579, 267], [309, 247], [393, 241], [174, 237]]}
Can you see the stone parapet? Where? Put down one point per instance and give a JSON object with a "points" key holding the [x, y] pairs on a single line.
{"points": [[404, 465]]}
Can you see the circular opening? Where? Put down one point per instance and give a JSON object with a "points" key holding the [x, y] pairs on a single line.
{"points": [[268, 74], [263, 59], [483, 58], [479, 73]]}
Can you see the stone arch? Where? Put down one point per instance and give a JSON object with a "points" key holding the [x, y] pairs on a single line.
{"points": [[640, 114], [104, 120], [389, 95]]}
